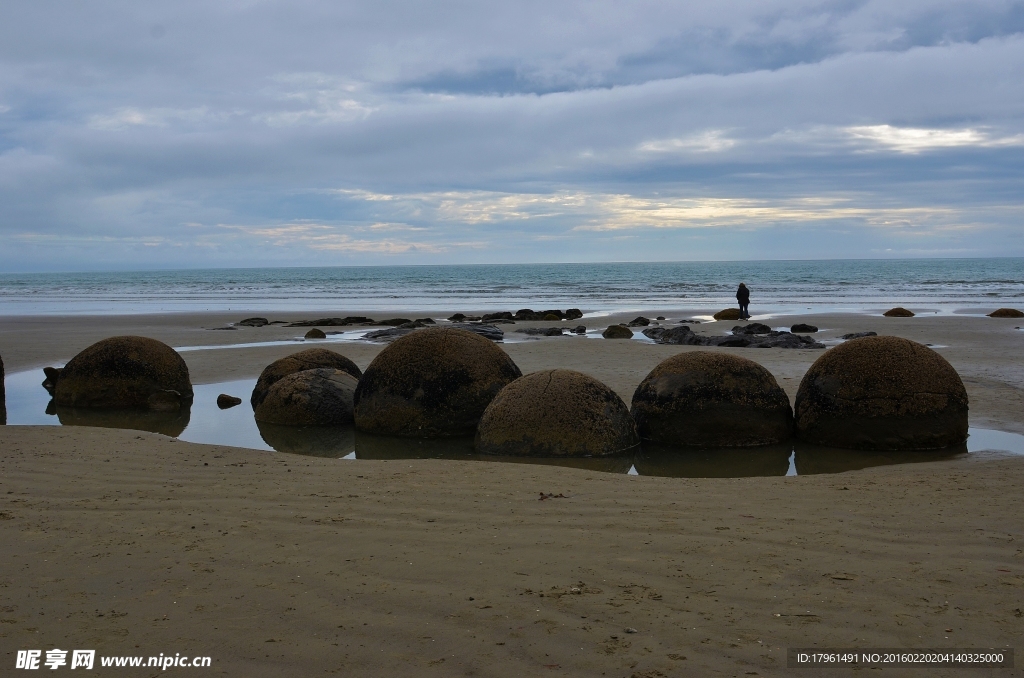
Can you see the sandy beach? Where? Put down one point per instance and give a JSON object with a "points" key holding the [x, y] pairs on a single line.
{"points": [[273, 564]]}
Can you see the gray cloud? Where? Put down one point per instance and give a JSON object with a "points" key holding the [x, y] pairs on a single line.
{"points": [[231, 133]]}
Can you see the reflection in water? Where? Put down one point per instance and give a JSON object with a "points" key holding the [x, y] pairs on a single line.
{"points": [[723, 462], [811, 459], [168, 423], [369, 446], [333, 442]]}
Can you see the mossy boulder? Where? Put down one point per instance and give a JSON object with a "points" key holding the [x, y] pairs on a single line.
{"points": [[320, 397], [556, 413], [435, 382], [882, 393], [704, 399], [125, 372], [315, 333], [617, 332], [1006, 313], [728, 314], [898, 312], [310, 359]]}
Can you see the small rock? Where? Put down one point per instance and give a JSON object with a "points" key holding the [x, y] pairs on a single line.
{"points": [[803, 328], [229, 327], [617, 332], [660, 317], [858, 335], [573, 313], [898, 312], [639, 321], [315, 334], [579, 329], [253, 322], [630, 629], [457, 318], [52, 377], [225, 401]]}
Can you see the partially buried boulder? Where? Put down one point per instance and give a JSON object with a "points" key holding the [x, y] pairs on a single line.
{"points": [[435, 382], [882, 393], [315, 333], [125, 372], [803, 328], [728, 314], [320, 397], [310, 359], [898, 312], [556, 413], [704, 399], [1006, 313], [617, 332]]}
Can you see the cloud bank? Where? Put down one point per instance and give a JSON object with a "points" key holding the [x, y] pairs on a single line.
{"points": [[258, 132]]}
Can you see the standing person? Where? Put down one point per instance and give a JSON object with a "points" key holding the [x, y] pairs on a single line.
{"points": [[743, 296]]}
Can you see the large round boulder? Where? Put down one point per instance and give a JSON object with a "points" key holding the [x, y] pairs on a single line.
{"points": [[310, 359], [617, 332], [882, 393], [320, 397], [704, 399], [125, 372], [899, 312], [434, 382], [728, 314], [556, 413]]}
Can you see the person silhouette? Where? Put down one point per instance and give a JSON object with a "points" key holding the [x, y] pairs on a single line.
{"points": [[743, 296]]}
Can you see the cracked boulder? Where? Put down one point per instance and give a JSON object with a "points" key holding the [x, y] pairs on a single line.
{"points": [[319, 397], [557, 413], [310, 359], [434, 382], [882, 393], [705, 399]]}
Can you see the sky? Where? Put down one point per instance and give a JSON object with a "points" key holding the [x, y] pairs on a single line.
{"points": [[224, 133]]}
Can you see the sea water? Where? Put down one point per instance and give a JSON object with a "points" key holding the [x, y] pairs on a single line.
{"points": [[777, 287]]}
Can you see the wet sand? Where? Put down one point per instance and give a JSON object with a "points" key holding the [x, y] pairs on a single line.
{"points": [[276, 565]]}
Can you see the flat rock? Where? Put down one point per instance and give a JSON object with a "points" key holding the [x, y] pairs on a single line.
{"points": [[253, 322], [487, 331], [333, 322], [542, 331]]}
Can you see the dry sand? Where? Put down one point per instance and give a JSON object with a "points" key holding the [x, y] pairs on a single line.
{"points": [[126, 542]]}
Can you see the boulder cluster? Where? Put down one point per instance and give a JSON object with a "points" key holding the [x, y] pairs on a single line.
{"points": [[754, 335]]}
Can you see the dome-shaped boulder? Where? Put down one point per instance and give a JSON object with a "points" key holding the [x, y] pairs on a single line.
{"points": [[617, 332], [125, 372], [882, 393], [1006, 313], [899, 312], [704, 399], [556, 413], [310, 359], [434, 382], [315, 333], [320, 397], [728, 314]]}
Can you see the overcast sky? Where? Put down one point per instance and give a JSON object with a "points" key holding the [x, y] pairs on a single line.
{"points": [[197, 133]]}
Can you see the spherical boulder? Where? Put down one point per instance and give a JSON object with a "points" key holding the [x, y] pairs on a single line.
{"points": [[556, 413], [898, 312], [882, 393], [315, 333], [704, 399], [1006, 313], [728, 314], [320, 397], [125, 372], [617, 332], [310, 359], [434, 382]]}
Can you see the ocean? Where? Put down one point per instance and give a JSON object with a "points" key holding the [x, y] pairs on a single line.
{"points": [[944, 286]]}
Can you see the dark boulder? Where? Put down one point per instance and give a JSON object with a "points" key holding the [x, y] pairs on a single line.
{"points": [[320, 397], [310, 359], [673, 335], [487, 331], [703, 399], [639, 321], [51, 377], [682, 336], [617, 332], [752, 328], [225, 401], [388, 335], [803, 328], [125, 372], [457, 317], [573, 314], [393, 322], [898, 312], [579, 329], [858, 335], [253, 322], [434, 382], [315, 333], [542, 331], [503, 315], [526, 314], [728, 314], [882, 393], [1006, 313], [556, 413], [425, 321], [552, 317], [660, 317]]}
